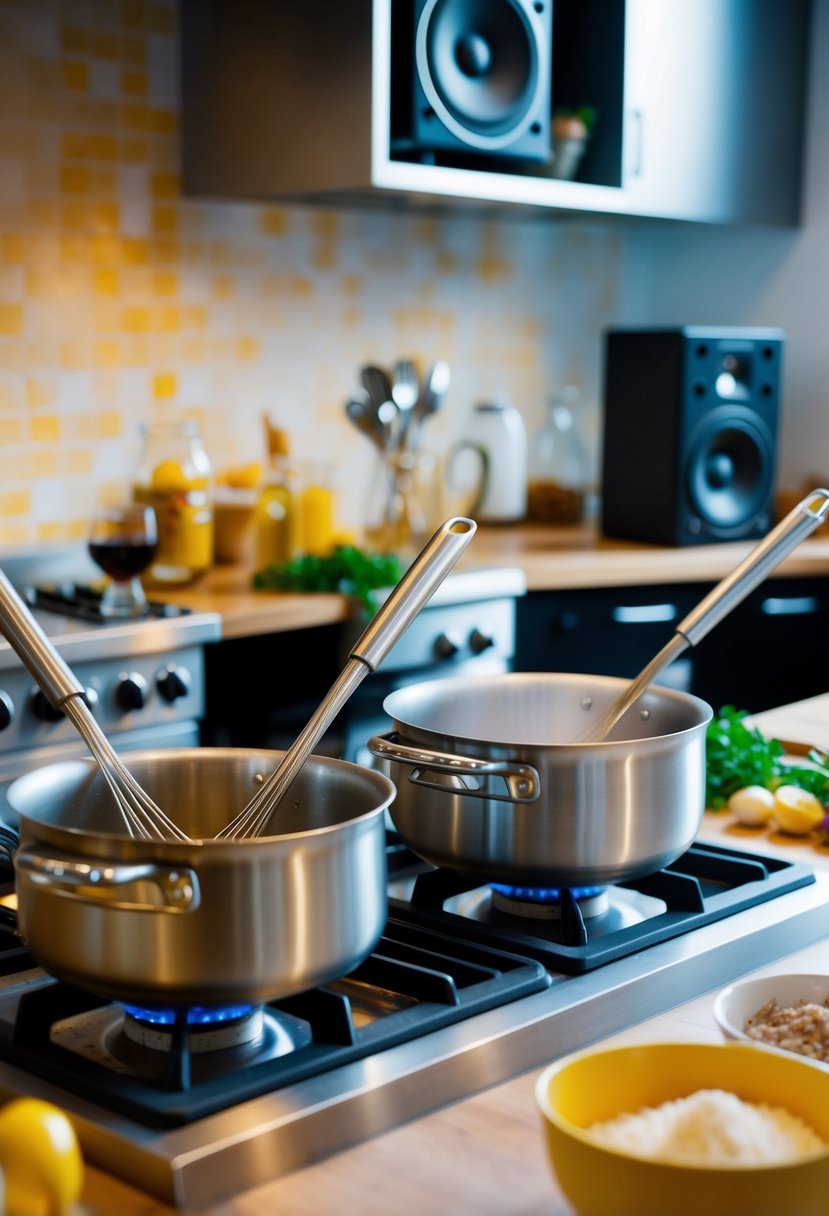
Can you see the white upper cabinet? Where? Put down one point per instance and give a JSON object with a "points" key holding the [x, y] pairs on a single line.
{"points": [[713, 120], [699, 104]]}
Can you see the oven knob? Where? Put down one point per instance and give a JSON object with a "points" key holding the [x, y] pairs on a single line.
{"points": [[44, 710], [479, 642], [172, 683], [445, 647], [131, 692], [6, 710]]}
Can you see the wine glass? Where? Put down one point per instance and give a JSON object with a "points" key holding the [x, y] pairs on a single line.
{"points": [[123, 541]]}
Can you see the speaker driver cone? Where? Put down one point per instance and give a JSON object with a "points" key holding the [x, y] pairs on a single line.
{"points": [[729, 470], [479, 67]]}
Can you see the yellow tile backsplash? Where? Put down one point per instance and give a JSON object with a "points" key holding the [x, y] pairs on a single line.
{"points": [[121, 300]]}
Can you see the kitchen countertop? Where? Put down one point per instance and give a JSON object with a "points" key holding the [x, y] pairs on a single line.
{"points": [[551, 558], [485, 1154]]}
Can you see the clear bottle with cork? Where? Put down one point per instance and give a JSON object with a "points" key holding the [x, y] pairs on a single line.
{"points": [[175, 477], [277, 520], [558, 473]]}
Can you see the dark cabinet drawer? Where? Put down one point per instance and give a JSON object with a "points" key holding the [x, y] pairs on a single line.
{"points": [[770, 650]]}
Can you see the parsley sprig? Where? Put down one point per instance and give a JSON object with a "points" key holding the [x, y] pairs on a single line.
{"points": [[738, 755], [347, 570]]}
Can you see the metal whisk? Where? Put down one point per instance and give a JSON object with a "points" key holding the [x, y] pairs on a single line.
{"points": [[141, 815]]}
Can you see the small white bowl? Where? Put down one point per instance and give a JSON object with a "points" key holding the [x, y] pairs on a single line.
{"points": [[737, 1003]]}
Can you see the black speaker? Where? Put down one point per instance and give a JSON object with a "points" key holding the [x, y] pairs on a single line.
{"points": [[690, 433], [482, 78]]}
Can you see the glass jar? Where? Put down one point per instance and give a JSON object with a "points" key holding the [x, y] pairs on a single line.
{"points": [[175, 478], [558, 472], [315, 507], [404, 504]]}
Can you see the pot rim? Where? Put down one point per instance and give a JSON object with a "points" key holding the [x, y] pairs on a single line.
{"points": [[441, 690], [386, 793]]}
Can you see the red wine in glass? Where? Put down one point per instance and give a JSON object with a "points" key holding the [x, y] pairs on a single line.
{"points": [[123, 541]]}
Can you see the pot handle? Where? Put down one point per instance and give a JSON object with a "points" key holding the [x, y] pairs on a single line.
{"points": [[522, 782], [164, 889]]}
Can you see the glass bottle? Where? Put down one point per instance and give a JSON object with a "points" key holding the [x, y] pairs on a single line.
{"points": [[315, 508], [174, 477], [558, 473], [276, 524]]}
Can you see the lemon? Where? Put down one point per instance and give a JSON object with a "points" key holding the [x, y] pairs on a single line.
{"points": [[244, 477], [797, 811], [40, 1157], [170, 475]]}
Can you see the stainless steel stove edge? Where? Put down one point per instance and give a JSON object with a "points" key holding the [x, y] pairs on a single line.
{"points": [[267, 1137]]}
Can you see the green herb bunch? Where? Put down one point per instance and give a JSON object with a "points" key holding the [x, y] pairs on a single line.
{"points": [[738, 755], [346, 570]]}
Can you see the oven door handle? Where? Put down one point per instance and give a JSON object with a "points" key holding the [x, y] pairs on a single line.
{"points": [[147, 887], [522, 782]]}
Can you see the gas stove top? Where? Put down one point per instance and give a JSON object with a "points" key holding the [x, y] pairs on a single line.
{"points": [[460, 993]]}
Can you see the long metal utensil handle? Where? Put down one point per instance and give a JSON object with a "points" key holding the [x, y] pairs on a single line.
{"points": [[415, 588], [393, 617], [730, 591], [763, 558], [34, 649]]}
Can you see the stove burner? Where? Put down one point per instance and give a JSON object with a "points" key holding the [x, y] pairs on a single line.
{"points": [[545, 903], [206, 1029], [84, 603]]}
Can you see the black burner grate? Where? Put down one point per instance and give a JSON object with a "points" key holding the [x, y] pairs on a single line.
{"points": [[706, 884], [415, 982], [84, 603]]}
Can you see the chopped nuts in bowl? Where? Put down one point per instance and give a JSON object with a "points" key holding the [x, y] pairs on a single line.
{"points": [[787, 1012]]}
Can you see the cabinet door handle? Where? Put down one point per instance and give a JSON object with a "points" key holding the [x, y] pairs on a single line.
{"points": [[636, 144], [644, 614], [793, 605]]}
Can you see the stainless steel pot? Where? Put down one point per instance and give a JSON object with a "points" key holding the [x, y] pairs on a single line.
{"points": [[483, 788], [214, 922]]}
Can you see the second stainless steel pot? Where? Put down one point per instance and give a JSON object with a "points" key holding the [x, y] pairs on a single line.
{"points": [[484, 789], [217, 922]]}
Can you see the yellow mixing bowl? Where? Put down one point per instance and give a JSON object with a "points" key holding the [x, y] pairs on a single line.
{"points": [[597, 1085]]}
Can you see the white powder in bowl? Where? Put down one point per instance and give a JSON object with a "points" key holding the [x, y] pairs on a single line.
{"points": [[710, 1127]]}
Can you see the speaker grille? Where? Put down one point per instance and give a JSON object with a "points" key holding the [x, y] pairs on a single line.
{"points": [[729, 470], [484, 69]]}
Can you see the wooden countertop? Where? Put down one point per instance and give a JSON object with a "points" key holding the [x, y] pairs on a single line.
{"points": [[552, 558], [485, 1154]]}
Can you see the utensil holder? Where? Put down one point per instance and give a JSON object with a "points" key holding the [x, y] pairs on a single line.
{"points": [[405, 502]]}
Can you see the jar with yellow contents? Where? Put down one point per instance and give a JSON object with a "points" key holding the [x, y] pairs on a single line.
{"points": [[176, 479]]}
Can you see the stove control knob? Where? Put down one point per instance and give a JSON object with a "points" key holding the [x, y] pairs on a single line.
{"points": [[131, 692], [479, 641], [6, 710], [173, 682], [44, 710], [445, 647]]}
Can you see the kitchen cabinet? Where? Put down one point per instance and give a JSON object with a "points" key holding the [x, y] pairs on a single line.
{"points": [[770, 649], [700, 109], [714, 109]]}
